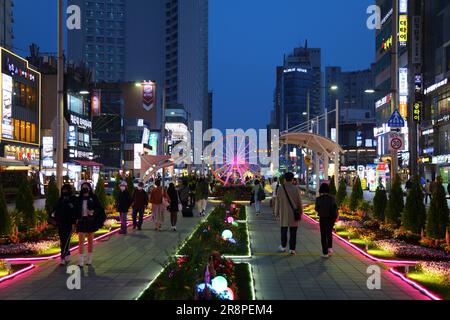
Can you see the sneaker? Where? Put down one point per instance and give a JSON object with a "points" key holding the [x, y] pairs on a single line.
{"points": [[89, 259], [140, 228], [282, 249], [292, 252], [81, 260], [63, 263], [325, 256]]}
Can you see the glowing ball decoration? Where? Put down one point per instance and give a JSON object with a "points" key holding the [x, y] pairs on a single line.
{"points": [[232, 241], [227, 295], [235, 224], [202, 286], [230, 220], [227, 234], [219, 284]]}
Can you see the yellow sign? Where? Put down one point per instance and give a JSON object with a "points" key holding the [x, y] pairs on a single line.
{"points": [[403, 30], [403, 107]]}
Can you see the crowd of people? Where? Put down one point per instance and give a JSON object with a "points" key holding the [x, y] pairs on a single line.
{"points": [[84, 214]]}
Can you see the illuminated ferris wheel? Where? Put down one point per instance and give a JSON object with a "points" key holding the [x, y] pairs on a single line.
{"points": [[240, 160]]}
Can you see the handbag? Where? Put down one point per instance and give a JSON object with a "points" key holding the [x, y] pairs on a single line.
{"points": [[297, 215], [180, 205]]}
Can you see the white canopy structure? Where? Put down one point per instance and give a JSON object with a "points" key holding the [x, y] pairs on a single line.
{"points": [[324, 148]]}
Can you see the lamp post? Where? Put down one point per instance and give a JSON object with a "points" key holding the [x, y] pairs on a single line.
{"points": [[60, 99]]}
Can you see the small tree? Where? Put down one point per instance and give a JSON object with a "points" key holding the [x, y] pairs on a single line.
{"points": [[357, 195], [116, 191], [342, 193], [396, 203], [25, 204], [437, 220], [5, 218], [379, 204], [130, 183], [414, 214], [52, 195], [333, 190], [101, 193]]}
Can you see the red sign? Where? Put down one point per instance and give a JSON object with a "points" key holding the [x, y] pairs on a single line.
{"points": [[396, 143], [148, 95], [96, 103]]}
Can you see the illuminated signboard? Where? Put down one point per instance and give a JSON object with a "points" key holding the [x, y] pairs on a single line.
{"points": [[138, 151], [47, 152], [417, 111], [382, 102], [7, 88], [403, 106], [80, 122], [403, 81], [153, 143], [403, 30], [403, 6], [436, 86], [296, 70], [148, 95], [387, 44], [96, 103]]}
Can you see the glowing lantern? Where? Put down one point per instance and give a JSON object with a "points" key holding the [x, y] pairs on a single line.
{"points": [[219, 284], [227, 234], [201, 287], [230, 220], [232, 241], [227, 295], [235, 224]]}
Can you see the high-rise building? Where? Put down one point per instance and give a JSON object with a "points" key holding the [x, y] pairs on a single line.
{"points": [[435, 113], [165, 41], [186, 72], [298, 82], [6, 23], [357, 113]]}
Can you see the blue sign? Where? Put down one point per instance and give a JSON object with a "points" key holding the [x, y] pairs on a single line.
{"points": [[396, 120]]}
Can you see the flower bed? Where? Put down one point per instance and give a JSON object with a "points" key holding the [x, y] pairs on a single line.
{"points": [[434, 276], [199, 271], [210, 234], [240, 193], [401, 249]]}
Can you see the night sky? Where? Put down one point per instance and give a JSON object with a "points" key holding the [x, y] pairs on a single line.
{"points": [[248, 39]]}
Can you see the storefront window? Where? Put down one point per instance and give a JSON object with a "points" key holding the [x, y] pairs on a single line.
{"points": [[17, 130], [33, 133], [28, 132]]}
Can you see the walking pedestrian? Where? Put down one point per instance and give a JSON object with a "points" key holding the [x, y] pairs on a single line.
{"points": [[448, 188], [289, 209], [258, 195], [91, 217], [158, 199], [139, 202], [201, 196], [427, 190], [192, 188], [123, 206], [328, 213], [175, 205], [65, 216], [184, 193], [275, 186]]}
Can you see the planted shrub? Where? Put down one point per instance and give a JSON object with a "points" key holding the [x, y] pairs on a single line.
{"points": [[5, 218], [333, 190], [414, 214], [101, 193], [130, 183], [357, 195], [342, 193], [379, 204], [437, 220], [395, 204], [25, 204], [116, 190], [52, 195]]}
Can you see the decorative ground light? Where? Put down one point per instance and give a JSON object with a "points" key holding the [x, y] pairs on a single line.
{"points": [[219, 284], [227, 235], [230, 220]]}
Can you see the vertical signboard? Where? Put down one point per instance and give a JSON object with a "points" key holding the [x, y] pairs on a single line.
{"points": [[417, 40], [403, 30], [96, 103], [403, 81], [47, 152], [7, 88], [148, 95], [403, 6], [417, 108]]}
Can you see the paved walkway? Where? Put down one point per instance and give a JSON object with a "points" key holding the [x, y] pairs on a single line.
{"points": [[308, 275], [123, 267]]}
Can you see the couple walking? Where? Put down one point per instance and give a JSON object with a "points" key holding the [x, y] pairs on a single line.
{"points": [[163, 200], [289, 210], [138, 201]]}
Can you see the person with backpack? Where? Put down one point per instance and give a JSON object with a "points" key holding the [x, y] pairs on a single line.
{"points": [[289, 210], [175, 205], [65, 216], [123, 206], [258, 195], [90, 218], [139, 202], [159, 201], [327, 210]]}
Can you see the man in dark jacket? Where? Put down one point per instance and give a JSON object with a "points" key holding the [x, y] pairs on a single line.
{"points": [[139, 203], [328, 213], [65, 216], [123, 205]]}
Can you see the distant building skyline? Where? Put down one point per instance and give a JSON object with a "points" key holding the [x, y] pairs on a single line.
{"points": [[6, 22]]}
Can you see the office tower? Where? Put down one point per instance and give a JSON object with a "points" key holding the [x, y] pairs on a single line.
{"points": [[6, 23], [357, 113]]}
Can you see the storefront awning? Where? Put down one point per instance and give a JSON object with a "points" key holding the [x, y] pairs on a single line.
{"points": [[87, 163], [4, 162]]}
